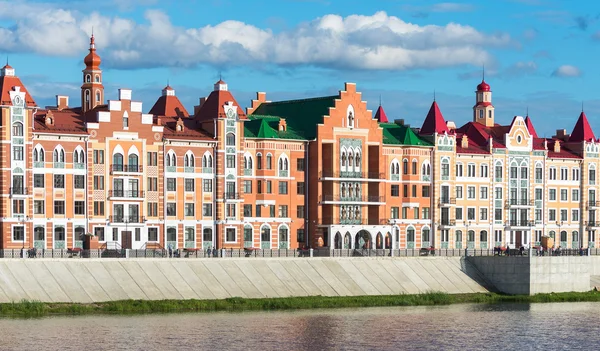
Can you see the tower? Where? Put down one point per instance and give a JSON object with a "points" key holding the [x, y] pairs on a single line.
{"points": [[483, 111], [92, 90]]}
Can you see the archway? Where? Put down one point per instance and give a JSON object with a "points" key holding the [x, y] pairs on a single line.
{"points": [[388, 241], [347, 240], [379, 241], [362, 240], [338, 241]]}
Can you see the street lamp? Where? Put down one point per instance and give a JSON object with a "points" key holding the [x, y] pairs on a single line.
{"points": [[559, 224], [467, 224]]}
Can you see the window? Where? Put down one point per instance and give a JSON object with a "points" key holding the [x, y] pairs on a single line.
{"points": [[483, 193], [283, 188], [171, 209], [483, 214], [269, 187], [188, 209], [79, 207], [575, 215], [552, 215], [258, 161], [498, 214], [247, 210], [575, 195], [98, 182], [152, 234], [230, 139], [59, 207], [395, 190], [38, 181], [592, 176], [269, 161], [189, 184], [459, 213], [283, 211], [350, 120], [300, 236], [300, 165], [404, 212], [483, 237], [552, 194], [395, 212], [258, 210], [125, 120], [576, 174], [459, 192], [470, 192], [471, 213], [484, 171], [38, 155], [300, 211], [171, 184], [18, 153], [552, 173], [188, 160], [99, 233], [564, 173], [18, 206], [538, 194], [425, 191], [59, 181], [98, 156], [414, 167], [152, 158], [152, 184], [153, 209], [445, 168], [498, 172], [247, 187], [98, 208], [230, 235], [459, 170], [18, 233], [171, 234], [498, 193], [17, 129], [230, 210], [564, 195], [564, 215], [513, 172], [539, 174], [230, 161], [207, 185], [524, 172], [207, 210], [471, 170], [405, 166], [79, 181], [38, 207], [300, 188], [416, 213], [538, 215]]}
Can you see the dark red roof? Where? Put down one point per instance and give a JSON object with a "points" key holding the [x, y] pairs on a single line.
{"points": [[213, 106], [483, 86], [7, 84], [191, 129], [582, 130], [434, 122], [168, 105], [380, 115], [530, 127], [68, 121]]}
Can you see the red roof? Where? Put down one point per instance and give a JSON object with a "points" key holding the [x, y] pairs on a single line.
{"points": [[582, 130], [169, 105], [483, 86], [213, 106], [530, 127], [191, 129], [380, 115], [68, 121], [434, 122], [7, 84]]}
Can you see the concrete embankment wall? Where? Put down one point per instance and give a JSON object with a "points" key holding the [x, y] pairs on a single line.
{"points": [[534, 275], [97, 280]]}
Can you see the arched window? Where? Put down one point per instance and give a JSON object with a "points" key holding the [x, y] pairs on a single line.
{"points": [[17, 129], [410, 234], [171, 160], [259, 161], [249, 162], [269, 161], [59, 155], [97, 96], [207, 234], [343, 189], [171, 234], [425, 235], [97, 78], [190, 235], [133, 160], [458, 235], [75, 157], [283, 164], [405, 166], [445, 167], [118, 162], [344, 159], [265, 234], [471, 235], [88, 78], [552, 234], [283, 237], [498, 171], [350, 120], [350, 158], [81, 157], [483, 236], [357, 160], [59, 234], [563, 235], [414, 167], [35, 155], [207, 161], [188, 160], [80, 233], [575, 236], [38, 154], [230, 139], [39, 234]]}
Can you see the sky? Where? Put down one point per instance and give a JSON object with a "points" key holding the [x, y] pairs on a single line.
{"points": [[538, 55]]}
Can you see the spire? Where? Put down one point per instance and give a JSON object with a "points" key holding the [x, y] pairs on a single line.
{"points": [[434, 122], [434, 95], [582, 130], [529, 125], [92, 60], [380, 115]]}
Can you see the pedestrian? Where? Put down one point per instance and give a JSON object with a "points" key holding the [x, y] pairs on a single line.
{"points": [[214, 251], [208, 251]]}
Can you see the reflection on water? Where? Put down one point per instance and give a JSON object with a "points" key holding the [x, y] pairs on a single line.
{"points": [[458, 327]]}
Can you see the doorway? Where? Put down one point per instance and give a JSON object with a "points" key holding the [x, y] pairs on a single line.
{"points": [[126, 239]]}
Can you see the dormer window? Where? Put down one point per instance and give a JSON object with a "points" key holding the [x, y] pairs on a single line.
{"points": [[350, 120], [180, 128]]}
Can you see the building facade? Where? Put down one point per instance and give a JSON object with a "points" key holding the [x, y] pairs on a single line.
{"points": [[314, 172]]}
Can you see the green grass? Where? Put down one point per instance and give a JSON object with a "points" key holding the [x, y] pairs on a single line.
{"points": [[28, 309]]}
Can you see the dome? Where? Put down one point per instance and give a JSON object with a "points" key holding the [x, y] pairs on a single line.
{"points": [[483, 86], [92, 60]]}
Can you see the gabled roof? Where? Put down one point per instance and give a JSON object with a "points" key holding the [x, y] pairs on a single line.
{"points": [[302, 116], [582, 130], [7, 84], [434, 122], [213, 106], [396, 134], [168, 105], [381, 116], [530, 127], [267, 127]]}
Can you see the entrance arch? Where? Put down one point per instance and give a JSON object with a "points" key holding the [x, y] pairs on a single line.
{"points": [[363, 240], [388, 241], [379, 241], [347, 241], [338, 241]]}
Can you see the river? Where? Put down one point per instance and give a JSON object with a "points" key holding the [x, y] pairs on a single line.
{"points": [[560, 326]]}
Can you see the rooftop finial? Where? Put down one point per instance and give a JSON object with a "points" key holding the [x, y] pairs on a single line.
{"points": [[168, 82], [379, 99], [527, 112], [433, 95], [581, 105], [483, 72]]}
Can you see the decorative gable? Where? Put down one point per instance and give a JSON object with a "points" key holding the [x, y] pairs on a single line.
{"points": [[518, 137]]}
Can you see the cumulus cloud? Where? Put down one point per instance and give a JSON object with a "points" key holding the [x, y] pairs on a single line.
{"points": [[521, 68], [566, 71], [376, 42]]}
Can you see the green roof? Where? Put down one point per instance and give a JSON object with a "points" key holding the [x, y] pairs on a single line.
{"points": [[267, 127], [301, 116], [396, 134]]}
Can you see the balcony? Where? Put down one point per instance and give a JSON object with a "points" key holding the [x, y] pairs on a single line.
{"points": [[343, 221], [231, 196], [129, 194], [353, 199], [592, 224], [19, 191], [447, 201], [126, 219], [448, 223], [325, 175], [593, 204], [126, 168], [521, 223], [520, 203]]}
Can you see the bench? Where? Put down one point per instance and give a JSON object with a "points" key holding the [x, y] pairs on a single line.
{"points": [[74, 251]]}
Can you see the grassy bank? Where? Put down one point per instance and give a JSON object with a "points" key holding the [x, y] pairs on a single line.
{"points": [[39, 309]]}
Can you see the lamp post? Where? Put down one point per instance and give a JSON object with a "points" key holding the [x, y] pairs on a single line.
{"points": [[559, 224], [467, 224]]}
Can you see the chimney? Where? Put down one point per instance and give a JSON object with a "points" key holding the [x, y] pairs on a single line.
{"points": [[62, 102], [399, 122], [464, 142], [260, 98], [199, 106], [561, 134]]}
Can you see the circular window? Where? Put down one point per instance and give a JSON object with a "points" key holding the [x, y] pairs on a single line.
{"points": [[519, 139]]}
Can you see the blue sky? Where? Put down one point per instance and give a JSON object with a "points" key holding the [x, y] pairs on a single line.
{"points": [[538, 54]]}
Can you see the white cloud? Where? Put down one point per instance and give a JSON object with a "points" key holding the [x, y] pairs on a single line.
{"points": [[379, 41], [566, 71], [521, 68]]}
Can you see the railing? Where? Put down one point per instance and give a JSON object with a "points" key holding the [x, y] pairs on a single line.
{"points": [[335, 220], [126, 193], [126, 219], [593, 203], [38, 164], [371, 198], [19, 191], [592, 224], [520, 202], [447, 200], [448, 223], [521, 223], [126, 168], [351, 174], [231, 196]]}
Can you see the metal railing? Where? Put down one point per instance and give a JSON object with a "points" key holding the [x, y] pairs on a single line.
{"points": [[126, 168], [126, 219], [520, 202], [231, 196], [447, 200], [593, 203], [521, 223], [337, 220], [351, 174], [370, 198], [19, 191], [133, 194]]}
